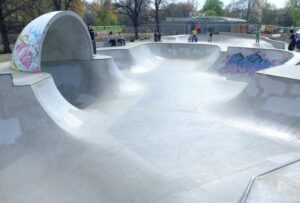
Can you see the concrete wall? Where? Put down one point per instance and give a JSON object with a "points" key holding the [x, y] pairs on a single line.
{"points": [[66, 39], [250, 60], [82, 82]]}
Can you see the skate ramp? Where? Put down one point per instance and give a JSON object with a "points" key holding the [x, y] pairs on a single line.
{"points": [[234, 63], [49, 44], [159, 128], [82, 83], [172, 98], [89, 83], [229, 39], [272, 100], [54, 159], [148, 55]]}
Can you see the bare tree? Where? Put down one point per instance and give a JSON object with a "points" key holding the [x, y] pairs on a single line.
{"points": [[237, 9], [3, 28], [254, 11], [11, 12], [249, 7], [157, 4], [61, 4], [132, 9], [294, 9], [250, 10], [68, 4], [178, 10], [57, 5]]}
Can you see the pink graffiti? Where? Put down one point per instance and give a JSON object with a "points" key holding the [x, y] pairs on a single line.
{"points": [[20, 47], [26, 59], [36, 69]]}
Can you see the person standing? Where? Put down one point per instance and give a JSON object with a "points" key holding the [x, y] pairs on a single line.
{"points": [[210, 37], [92, 34], [292, 43], [257, 36], [156, 36], [194, 37], [297, 40]]}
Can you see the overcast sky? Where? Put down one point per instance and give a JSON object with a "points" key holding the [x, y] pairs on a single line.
{"points": [[277, 3]]}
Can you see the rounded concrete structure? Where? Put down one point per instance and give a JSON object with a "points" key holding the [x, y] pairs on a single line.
{"points": [[55, 36]]}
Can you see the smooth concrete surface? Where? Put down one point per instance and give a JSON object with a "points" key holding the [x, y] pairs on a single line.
{"points": [[149, 123], [61, 37], [280, 186], [82, 82]]}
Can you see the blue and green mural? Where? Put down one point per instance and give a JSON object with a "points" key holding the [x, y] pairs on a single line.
{"points": [[251, 62]]}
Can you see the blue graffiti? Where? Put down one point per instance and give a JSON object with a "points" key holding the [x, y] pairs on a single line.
{"points": [[238, 63]]}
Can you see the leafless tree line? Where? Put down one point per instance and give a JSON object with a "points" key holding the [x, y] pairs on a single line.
{"points": [[20, 12]]}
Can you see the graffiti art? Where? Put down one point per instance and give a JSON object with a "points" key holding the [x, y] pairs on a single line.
{"points": [[240, 63]]}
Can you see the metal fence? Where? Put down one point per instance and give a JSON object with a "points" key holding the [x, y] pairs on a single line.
{"points": [[273, 32]]}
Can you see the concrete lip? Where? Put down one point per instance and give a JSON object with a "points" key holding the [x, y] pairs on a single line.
{"points": [[49, 32], [156, 122]]}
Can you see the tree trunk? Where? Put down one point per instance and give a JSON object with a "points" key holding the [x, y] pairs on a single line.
{"points": [[67, 4], [136, 31], [135, 22], [4, 34], [57, 5], [157, 16], [249, 10]]}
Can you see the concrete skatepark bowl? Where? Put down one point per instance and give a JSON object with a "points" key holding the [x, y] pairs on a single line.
{"points": [[150, 122]]}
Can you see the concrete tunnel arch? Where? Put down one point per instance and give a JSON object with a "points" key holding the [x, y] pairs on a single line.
{"points": [[54, 36]]}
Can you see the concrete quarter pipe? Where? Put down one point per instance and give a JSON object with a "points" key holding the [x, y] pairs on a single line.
{"points": [[164, 122]]}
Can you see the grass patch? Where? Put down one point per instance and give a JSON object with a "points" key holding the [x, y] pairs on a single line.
{"points": [[114, 29]]}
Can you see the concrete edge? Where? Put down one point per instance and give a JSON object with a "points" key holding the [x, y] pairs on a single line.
{"points": [[275, 43]]}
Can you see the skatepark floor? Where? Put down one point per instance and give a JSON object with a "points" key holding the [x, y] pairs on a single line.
{"points": [[172, 132]]}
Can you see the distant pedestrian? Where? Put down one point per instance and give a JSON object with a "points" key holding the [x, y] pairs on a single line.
{"points": [[194, 35], [297, 40], [257, 36], [292, 43], [92, 35], [157, 36], [111, 39], [199, 30], [121, 39], [210, 37]]}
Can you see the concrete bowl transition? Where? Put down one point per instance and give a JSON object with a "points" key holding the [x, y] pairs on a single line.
{"points": [[148, 122]]}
